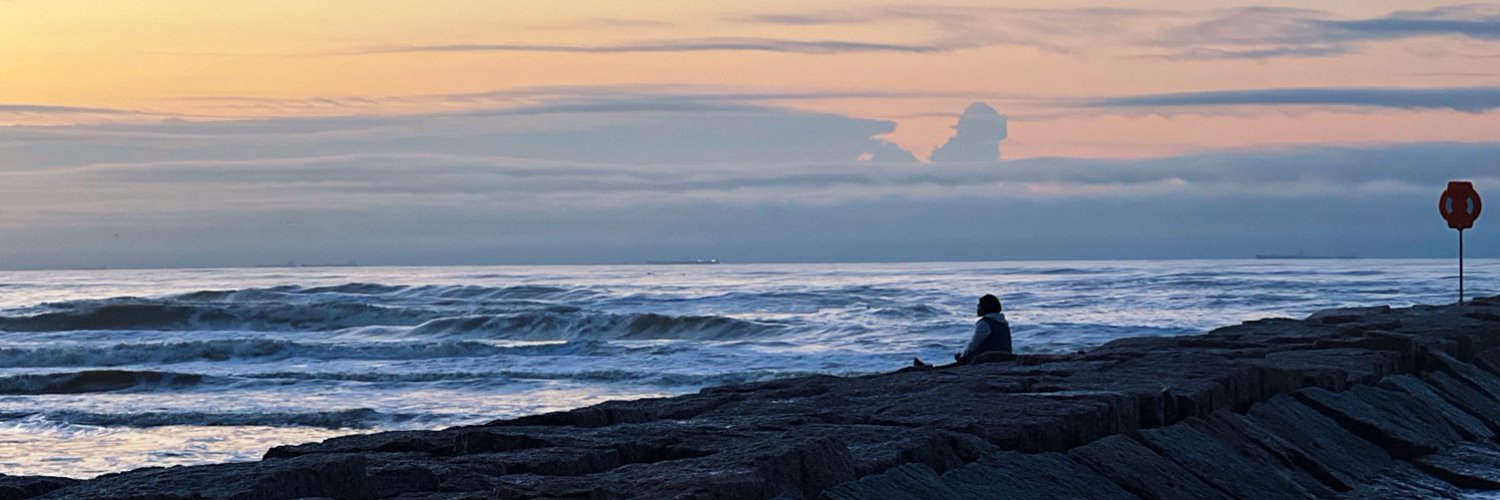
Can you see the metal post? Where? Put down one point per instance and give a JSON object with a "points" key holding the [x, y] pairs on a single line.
{"points": [[1460, 266]]}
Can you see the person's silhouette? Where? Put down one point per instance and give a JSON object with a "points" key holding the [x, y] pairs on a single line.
{"points": [[991, 333]]}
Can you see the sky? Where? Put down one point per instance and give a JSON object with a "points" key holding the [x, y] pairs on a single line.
{"points": [[164, 133]]}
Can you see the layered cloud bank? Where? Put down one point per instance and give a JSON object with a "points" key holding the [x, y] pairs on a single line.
{"points": [[742, 184], [1465, 99]]}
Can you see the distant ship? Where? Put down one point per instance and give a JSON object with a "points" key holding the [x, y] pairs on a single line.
{"points": [[303, 264], [1301, 255], [682, 262]]}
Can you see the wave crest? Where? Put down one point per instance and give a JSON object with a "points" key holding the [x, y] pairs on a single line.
{"points": [[171, 316], [357, 418], [93, 381], [551, 325], [268, 349]]}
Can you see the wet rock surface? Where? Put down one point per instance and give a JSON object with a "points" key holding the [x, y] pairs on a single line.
{"points": [[1142, 471], [16, 487], [1359, 403], [320, 476]]}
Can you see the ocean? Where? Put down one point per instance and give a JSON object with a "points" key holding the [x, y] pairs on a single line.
{"points": [[109, 370]]}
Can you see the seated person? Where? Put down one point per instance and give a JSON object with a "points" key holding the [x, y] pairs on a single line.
{"points": [[991, 333]]}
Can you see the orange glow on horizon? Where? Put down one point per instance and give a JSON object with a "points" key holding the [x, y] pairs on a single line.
{"points": [[158, 55]]}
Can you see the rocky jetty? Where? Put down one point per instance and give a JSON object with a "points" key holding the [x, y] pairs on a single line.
{"points": [[1357, 403]]}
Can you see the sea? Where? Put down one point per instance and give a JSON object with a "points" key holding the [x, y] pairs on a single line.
{"points": [[109, 370]]}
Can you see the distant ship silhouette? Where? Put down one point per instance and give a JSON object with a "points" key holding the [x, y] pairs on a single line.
{"points": [[1301, 255], [682, 262]]}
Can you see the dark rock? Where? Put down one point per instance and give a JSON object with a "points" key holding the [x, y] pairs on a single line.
{"points": [[938, 450], [1030, 476], [400, 478], [1257, 444], [646, 410], [1316, 443], [19, 487], [1385, 418], [326, 476], [438, 442], [1433, 403], [911, 481], [1349, 314], [805, 467], [1465, 396], [1484, 381], [1469, 465], [1483, 316], [487, 441], [1141, 471], [1337, 367], [1216, 463], [1488, 360], [1401, 480]]}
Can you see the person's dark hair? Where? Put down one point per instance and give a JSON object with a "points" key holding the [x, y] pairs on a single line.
{"points": [[989, 304]]}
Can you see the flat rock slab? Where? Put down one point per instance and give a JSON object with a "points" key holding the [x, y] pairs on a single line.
{"points": [[1402, 480], [1384, 417], [1220, 465], [1333, 368], [1488, 360], [1469, 465], [909, 481], [1031, 476], [1257, 444], [1479, 404], [326, 476], [1468, 426], [1481, 380], [1316, 443], [1141, 471], [19, 487]]}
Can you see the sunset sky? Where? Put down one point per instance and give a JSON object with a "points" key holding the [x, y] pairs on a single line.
{"points": [[125, 103], [913, 64]]}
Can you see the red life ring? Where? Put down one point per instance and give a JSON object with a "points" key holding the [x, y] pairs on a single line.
{"points": [[1460, 205]]}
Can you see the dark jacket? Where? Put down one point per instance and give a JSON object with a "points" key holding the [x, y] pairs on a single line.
{"points": [[991, 334]]}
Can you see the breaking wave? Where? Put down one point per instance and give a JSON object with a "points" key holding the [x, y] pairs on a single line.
{"points": [[515, 313], [270, 349], [94, 381], [607, 375], [173, 315], [357, 418], [550, 325]]}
